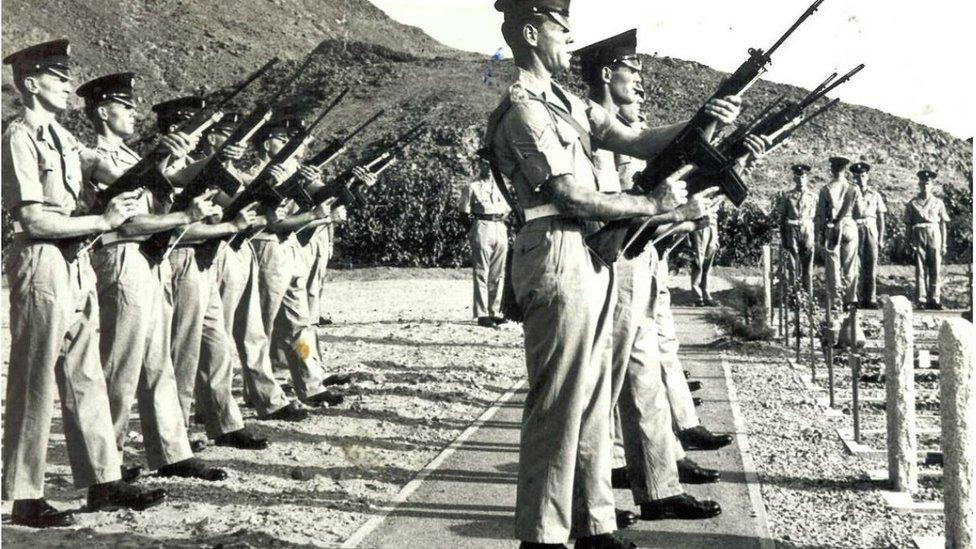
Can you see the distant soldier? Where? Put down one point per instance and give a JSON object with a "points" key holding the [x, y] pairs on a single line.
{"points": [[132, 293], [703, 244], [926, 218], [794, 212], [869, 212], [488, 237], [837, 232], [54, 336]]}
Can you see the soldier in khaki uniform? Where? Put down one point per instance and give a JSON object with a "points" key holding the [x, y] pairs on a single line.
{"points": [[794, 212], [703, 244], [488, 237], [320, 248], [926, 218], [540, 138], [837, 232], [53, 305], [135, 310], [642, 418], [869, 213]]}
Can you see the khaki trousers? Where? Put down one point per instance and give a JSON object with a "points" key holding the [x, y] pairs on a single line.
{"points": [[54, 347], [638, 388], [238, 275], [320, 251], [676, 385], [868, 250], [927, 247], [798, 243], [842, 264], [283, 290], [136, 317], [489, 245], [201, 347], [565, 448], [704, 246]]}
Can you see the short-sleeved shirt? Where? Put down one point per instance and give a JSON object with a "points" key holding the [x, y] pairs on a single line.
{"points": [[532, 144], [829, 203], [930, 210], [116, 157], [42, 164], [289, 205], [796, 205], [483, 198], [628, 166], [870, 206]]}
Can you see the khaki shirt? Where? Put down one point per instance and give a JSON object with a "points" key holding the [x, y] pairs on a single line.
{"points": [[919, 211], [627, 166], [829, 203], [289, 206], [799, 206], [870, 206], [483, 198], [533, 145], [117, 157], [42, 164]]}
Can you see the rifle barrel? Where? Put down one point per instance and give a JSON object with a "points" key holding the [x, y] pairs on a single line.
{"points": [[806, 15], [291, 78], [247, 82], [841, 80], [326, 111], [817, 92]]}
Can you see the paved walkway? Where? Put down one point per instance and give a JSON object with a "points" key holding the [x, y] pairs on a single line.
{"points": [[467, 498]]}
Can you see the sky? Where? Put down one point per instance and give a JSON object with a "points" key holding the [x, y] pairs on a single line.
{"points": [[915, 52]]}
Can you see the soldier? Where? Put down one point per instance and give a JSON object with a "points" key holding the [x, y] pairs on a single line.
{"points": [[540, 138], [795, 211], [869, 213], [926, 218], [837, 232], [135, 312], [612, 73], [53, 306], [703, 244], [488, 237], [320, 249]]}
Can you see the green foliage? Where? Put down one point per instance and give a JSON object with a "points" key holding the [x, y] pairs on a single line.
{"points": [[959, 203], [742, 234], [745, 318]]}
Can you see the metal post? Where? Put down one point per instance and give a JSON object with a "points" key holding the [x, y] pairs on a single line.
{"points": [[855, 396], [813, 353], [796, 323], [767, 267], [829, 346], [787, 293]]}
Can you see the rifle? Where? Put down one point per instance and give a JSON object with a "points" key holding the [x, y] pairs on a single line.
{"points": [[214, 174], [690, 146], [263, 189], [347, 189]]}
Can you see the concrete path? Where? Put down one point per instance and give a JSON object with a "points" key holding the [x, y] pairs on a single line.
{"points": [[467, 498]]}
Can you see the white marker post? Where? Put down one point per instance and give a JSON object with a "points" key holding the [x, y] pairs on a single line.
{"points": [[958, 407], [899, 337]]}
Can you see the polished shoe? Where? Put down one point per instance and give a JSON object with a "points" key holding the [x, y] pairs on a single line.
{"points": [[694, 385], [498, 320], [711, 302], [870, 305], [192, 468], [680, 507], [690, 472], [112, 496], [327, 397], [619, 478], [700, 303], [486, 322], [337, 379], [625, 518], [130, 474], [933, 306], [324, 321], [700, 438], [292, 412], [198, 445], [534, 545], [697, 401], [604, 541], [38, 513], [242, 439]]}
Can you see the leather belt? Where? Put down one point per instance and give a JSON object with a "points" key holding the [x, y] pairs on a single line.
{"points": [[799, 222], [489, 217], [926, 224]]}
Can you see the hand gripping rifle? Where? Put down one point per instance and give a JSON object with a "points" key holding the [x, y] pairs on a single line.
{"points": [[264, 190], [690, 146], [214, 174]]}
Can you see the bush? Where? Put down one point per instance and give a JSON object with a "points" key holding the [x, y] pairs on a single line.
{"points": [[745, 318], [743, 232]]}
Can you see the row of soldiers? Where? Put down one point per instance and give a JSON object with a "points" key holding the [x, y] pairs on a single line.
{"points": [[606, 390], [847, 221], [103, 325]]}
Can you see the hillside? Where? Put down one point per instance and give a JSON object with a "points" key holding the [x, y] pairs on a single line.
{"points": [[180, 46]]}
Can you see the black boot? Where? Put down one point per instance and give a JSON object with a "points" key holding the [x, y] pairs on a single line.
{"points": [[38, 513], [326, 397], [486, 322], [694, 385], [697, 401], [700, 438], [619, 478], [680, 507], [625, 518], [192, 468], [130, 473], [111, 496], [242, 439], [337, 379], [292, 412], [604, 541], [690, 472]]}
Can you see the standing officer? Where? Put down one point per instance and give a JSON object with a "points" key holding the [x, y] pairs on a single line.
{"points": [[869, 213], [612, 72], [135, 311], [540, 138], [704, 245], [837, 232], [53, 306], [926, 218], [794, 212], [488, 237]]}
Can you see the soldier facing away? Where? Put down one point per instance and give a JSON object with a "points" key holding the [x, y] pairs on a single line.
{"points": [[926, 218], [837, 232]]}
